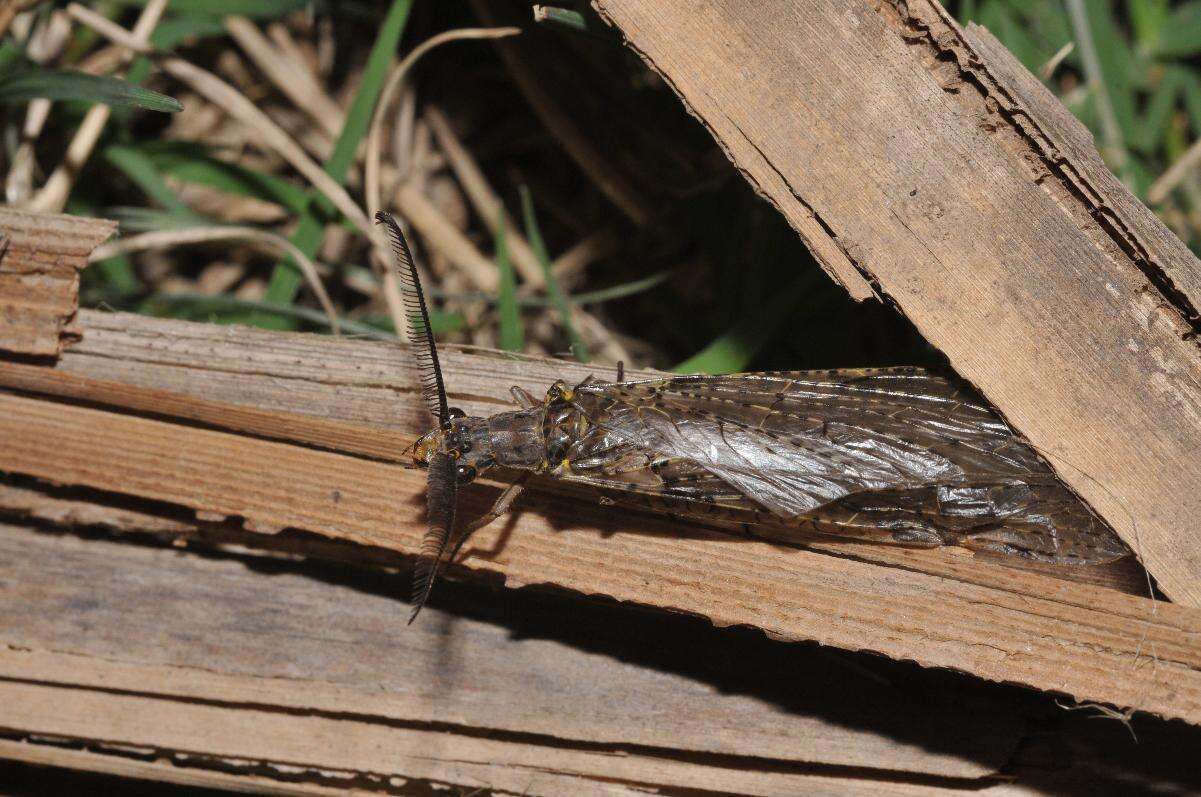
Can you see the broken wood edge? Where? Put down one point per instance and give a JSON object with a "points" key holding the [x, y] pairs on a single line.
{"points": [[40, 262], [177, 767]]}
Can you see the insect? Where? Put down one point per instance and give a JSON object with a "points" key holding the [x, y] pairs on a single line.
{"points": [[895, 455]]}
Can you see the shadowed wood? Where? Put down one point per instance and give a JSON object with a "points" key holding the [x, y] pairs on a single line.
{"points": [[965, 198], [228, 669], [241, 631], [938, 607]]}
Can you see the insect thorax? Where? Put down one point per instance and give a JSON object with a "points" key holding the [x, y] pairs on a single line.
{"points": [[515, 439], [538, 438]]}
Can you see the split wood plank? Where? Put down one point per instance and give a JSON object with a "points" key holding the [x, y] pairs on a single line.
{"points": [[41, 255], [359, 397], [105, 640], [244, 632], [181, 770], [982, 618], [986, 220]]}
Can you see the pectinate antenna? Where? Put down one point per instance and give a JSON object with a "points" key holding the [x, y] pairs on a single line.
{"points": [[433, 389], [441, 481]]}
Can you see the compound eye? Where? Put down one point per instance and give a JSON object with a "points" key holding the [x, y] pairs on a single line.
{"points": [[465, 473], [455, 413]]}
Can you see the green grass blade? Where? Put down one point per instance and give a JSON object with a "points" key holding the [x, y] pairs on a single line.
{"points": [[118, 275], [1003, 21], [442, 322], [173, 31], [621, 291], [512, 336], [553, 291], [141, 219], [1160, 109], [194, 164], [732, 351], [1181, 34], [562, 17], [1120, 71], [200, 305], [135, 165], [286, 278], [43, 84], [1191, 83], [1147, 20]]}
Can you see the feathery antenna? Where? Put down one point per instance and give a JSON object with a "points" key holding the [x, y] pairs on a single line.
{"points": [[433, 390], [440, 497], [442, 485]]}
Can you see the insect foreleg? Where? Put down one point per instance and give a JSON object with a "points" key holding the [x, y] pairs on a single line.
{"points": [[502, 505], [524, 398]]}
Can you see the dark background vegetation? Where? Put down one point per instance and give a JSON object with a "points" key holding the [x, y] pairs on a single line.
{"points": [[712, 281]]}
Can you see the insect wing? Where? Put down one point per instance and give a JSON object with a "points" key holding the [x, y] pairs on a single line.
{"points": [[795, 442]]}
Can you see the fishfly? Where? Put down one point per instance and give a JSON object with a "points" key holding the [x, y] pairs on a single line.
{"points": [[891, 455]]}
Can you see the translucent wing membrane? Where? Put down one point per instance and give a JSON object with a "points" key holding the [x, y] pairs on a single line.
{"points": [[894, 455], [441, 494], [420, 336]]}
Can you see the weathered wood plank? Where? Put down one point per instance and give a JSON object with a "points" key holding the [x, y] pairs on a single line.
{"points": [[1071, 308], [41, 255], [221, 668], [349, 396], [991, 620], [247, 630], [256, 643]]}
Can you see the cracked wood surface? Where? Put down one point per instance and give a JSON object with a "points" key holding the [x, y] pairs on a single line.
{"points": [[302, 431], [271, 643], [964, 195], [41, 255], [223, 667]]}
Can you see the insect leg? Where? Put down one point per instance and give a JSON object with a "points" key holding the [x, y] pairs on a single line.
{"points": [[621, 371], [503, 504], [523, 397]]}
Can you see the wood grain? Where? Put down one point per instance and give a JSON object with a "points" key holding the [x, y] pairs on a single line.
{"points": [[41, 255], [224, 669], [247, 631], [982, 216], [939, 608]]}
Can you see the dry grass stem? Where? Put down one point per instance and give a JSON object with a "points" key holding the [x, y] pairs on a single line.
{"points": [[163, 239], [268, 134], [388, 94], [484, 199], [9, 10], [568, 268], [53, 195], [446, 238], [566, 132], [287, 73], [1048, 69], [1168, 181], [404, 136], [598, 337]]}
